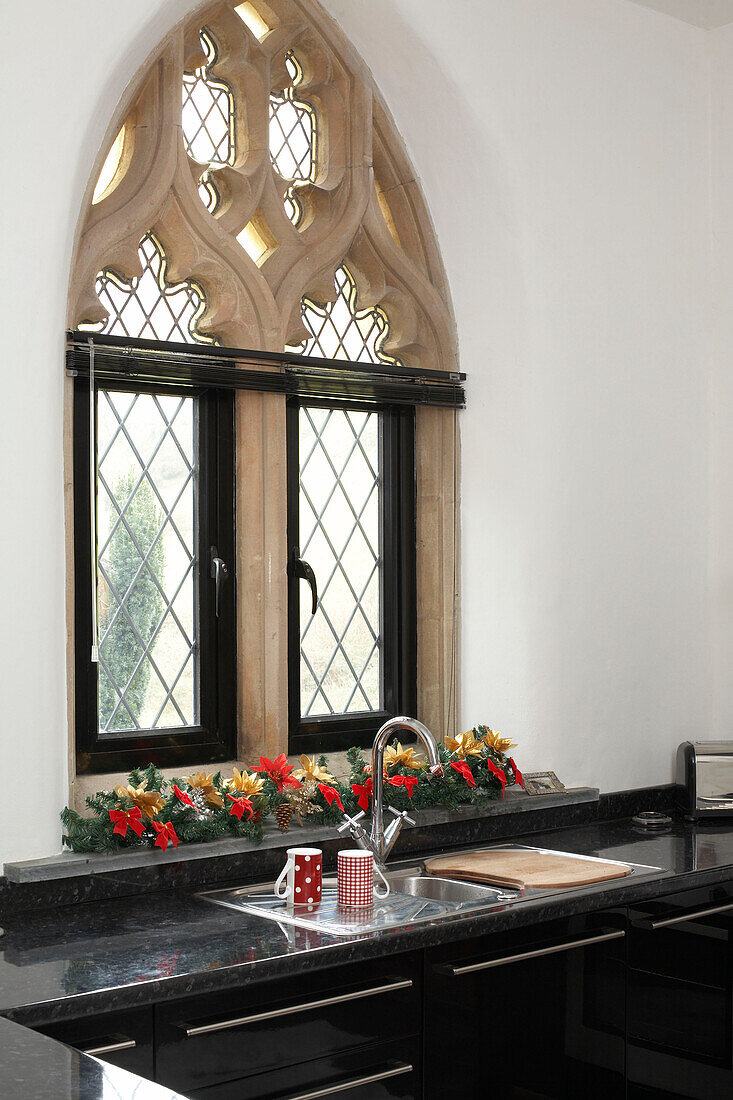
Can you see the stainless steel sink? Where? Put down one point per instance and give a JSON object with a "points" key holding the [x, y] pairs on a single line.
{"points": [[415, 897], [417, 883]]}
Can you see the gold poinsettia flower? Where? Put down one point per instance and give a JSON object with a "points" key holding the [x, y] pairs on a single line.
{"points": [[495, 741], [150, 802], [395, 754], [464, 745], [310, 769], [207, 788], [247, 783]]}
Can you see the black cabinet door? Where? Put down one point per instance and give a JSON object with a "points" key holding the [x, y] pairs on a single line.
{"points": [[260, 1029], [680, 997], [387, 1072], [530, 1014]]}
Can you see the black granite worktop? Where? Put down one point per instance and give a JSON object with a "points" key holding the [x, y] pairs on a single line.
{"points": [[64, 962], [33, 1065]]}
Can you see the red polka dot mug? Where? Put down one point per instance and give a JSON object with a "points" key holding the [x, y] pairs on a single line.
{"points": [[300, 878]]}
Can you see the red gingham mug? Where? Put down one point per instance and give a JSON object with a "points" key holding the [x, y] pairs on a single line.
{"points": [[301, 876], [356, 878]]}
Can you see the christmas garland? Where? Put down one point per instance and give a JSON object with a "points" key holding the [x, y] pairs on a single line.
{"points": [[151, 811]]}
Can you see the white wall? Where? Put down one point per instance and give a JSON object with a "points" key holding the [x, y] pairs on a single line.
{"points": [[575, 236], [721, 393], [580, 293]]}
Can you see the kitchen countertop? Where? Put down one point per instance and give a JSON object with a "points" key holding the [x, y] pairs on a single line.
{"points": [[72, 961], [33, 1065]]}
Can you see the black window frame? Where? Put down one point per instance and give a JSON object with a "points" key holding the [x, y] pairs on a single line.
{"points": [[214, 738], [398, 611]]}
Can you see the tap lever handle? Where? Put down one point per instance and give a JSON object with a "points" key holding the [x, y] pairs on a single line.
{"points": [[401, 813], [350, 822]]}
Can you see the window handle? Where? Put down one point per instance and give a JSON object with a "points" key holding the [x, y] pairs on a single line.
{"points": [[219, 574], [301, 569]]}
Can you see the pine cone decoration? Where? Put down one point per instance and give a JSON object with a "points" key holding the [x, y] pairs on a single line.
{"points": [[283, 816]]}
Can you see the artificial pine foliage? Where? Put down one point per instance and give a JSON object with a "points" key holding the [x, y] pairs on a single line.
{"points": [[203, 807]]}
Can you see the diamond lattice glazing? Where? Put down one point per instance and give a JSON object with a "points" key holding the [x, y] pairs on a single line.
{"points": [[293, 138], [147, 570], [340, 508], [207, 113], [339, 330], [148, 306]]}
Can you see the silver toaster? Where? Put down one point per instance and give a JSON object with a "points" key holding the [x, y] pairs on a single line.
{"points": [[705, 773]]}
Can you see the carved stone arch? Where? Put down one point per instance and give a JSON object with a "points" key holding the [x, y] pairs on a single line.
{"points": [[363, 207]]}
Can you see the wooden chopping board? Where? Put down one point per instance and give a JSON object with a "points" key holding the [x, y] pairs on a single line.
{"points": [[504, 867]]}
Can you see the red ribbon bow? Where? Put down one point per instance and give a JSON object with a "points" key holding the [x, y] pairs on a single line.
{"points": [[462, 767], [185, 799], [165, 833], [518, 777], [331, 795], [363, 792], [500, 775], [409, 782], [239, 806], [278, 770], [123, 818]]}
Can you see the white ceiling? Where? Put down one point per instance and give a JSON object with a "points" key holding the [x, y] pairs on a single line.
{"points": [[701, 13]]}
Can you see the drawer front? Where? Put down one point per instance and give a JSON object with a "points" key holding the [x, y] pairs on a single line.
{"points": [[221, 1037], [124, 1039], [389, 1072], [552, 998], [680, 996]]}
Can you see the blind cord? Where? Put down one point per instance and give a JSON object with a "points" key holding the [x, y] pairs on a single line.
{"points": [[93, 501]]}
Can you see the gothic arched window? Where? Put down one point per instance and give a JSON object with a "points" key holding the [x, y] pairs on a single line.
{"points": [[269, 316]]}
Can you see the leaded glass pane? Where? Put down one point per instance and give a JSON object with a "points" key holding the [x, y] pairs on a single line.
{"points": [[207, 113], [147, 490], [149, 306], [293, 138], [340, 510], [339, 330]]}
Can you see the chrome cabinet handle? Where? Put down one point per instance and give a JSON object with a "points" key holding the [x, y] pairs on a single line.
{"points": [[109, 1048], [291, 1010], [471, 968], [354, 1082], [666, 921]]}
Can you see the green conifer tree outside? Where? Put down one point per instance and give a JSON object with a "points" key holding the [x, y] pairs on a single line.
{"points": [[121, 649]]}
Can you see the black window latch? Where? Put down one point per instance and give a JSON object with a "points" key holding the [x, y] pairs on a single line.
{"points": [[301, 569]]}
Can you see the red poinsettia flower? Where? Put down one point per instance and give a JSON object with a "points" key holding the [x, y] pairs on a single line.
{"points": [[500, 775], [165, 833], [331, 795], [239, 806], [462, 767], [518, 777], [409, 782], [278, 770], [362, 793], [182, 796], [127, 818]]}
